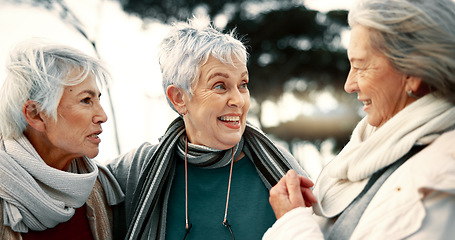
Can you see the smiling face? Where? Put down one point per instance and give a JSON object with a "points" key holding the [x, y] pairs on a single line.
{"points": [[381, 89], [79, 118], [216, 113]]}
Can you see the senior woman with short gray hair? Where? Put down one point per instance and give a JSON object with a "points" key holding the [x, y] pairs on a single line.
{"points": [[208, 177], [395, 179], [50, 119]]}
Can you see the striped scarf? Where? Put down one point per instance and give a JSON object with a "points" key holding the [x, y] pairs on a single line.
{"points": [[151, 198]]}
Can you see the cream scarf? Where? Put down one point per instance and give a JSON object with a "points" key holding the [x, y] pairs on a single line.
{"points": [[371, 149], [36, 196]]}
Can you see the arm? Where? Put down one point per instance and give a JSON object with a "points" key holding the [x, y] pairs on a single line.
{"points": [[126, 169], [295, 225]]}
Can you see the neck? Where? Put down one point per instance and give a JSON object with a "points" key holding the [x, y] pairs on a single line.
{"points": [[47, 151]]}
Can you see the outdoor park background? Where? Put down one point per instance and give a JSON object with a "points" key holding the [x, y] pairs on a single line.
{"points": [[297, 64]]}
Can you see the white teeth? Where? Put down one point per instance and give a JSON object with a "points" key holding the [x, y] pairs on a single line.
{"points": [[366, 102], [94, 135], [230, 118]]}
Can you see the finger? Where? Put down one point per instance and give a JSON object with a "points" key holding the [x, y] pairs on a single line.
{"points": [[305, 182], [278, 191], [308, 195], [293, 187], [308, 204], [279, 198]]}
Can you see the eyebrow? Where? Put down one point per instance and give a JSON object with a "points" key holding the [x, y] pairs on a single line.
{"points": [[91, 92], [225, 75], [218, 74]]}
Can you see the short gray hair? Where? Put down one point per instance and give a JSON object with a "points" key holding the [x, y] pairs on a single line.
{"points": [[39, 71], [417, 36], [188, 46]]}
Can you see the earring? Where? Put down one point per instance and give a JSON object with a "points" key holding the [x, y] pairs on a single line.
{"points": [[411, 94]]}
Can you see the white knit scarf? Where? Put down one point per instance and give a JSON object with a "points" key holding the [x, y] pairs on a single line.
{"points": [[370, 149], [36, 196]]}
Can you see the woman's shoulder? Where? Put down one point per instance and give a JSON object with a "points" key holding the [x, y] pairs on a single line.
{"points": [[133, 158], [439, 154], [293, 162], [130, 164], [434, 166], [416, 191]]}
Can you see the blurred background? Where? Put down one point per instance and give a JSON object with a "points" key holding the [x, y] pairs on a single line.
{"points": [[297, 65]]}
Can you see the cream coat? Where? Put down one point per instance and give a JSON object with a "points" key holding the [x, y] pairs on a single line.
{"points": [[416, 202]]}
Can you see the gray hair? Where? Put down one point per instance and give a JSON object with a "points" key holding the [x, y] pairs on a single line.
{"points": [[417, 36], [40, 71], [188, 46]]}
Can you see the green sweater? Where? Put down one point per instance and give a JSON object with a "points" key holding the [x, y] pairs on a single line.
{"points": [[249, 212], [248, 200]]}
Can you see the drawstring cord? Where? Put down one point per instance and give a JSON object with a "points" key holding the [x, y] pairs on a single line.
{"points": [[188, 225]]}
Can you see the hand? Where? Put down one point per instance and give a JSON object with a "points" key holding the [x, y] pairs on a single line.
{"points": [[290, 192]]}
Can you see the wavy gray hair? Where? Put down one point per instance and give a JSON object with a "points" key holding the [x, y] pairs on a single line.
{"points": [[417, 36], [188, 46], [39, 71]]}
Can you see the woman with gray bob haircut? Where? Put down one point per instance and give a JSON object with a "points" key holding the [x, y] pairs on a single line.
{"points": [[186, 49], [395, 177], [50, 119], [209, 175]]}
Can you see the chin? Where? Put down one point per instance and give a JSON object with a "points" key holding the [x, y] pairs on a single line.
{"points": [[92, 154], [374, 124], [232, 143]]}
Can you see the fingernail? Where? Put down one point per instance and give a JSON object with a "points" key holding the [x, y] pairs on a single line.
{"points": [[292, 173]]}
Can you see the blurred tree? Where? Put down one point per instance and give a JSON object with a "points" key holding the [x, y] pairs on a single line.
{"points": [[287, 43], [293, 43], [292, 50]]}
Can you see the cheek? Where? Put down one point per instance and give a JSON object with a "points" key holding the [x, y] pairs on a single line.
{"points": [[247, 104], [204, 101]]}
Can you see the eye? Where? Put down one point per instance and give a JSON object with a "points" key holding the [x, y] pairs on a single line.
{"points": [[244, 85], [220, 86], [86, 100]]}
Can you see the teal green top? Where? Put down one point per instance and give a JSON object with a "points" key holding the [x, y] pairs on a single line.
{"points": [[249, 211]]}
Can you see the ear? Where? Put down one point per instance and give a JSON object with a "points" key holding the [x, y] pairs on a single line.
{"points": [[413, 83], [32, 113], [176, 96]]}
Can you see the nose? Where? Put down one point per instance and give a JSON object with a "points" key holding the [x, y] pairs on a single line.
{"points": [[236, 98], [100, 116], [351, 86]]}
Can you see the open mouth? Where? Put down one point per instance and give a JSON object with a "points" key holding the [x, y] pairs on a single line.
{"points": [[230, 119], [95, 135], [366, 102]]}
